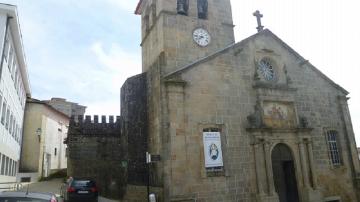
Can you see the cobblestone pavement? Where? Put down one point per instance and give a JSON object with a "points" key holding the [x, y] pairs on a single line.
{"points": [[53, 186]]}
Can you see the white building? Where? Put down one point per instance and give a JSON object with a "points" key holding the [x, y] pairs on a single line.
{"points": [[14, 88], [43, 149]]}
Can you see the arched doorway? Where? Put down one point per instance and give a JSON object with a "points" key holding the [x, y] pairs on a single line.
{"points": [[284, 174]]}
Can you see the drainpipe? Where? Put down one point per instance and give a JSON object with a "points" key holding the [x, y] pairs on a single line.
{"points": [[3, 48]]}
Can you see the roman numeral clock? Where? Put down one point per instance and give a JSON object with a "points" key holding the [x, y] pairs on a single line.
{"points": [[201, 37]]}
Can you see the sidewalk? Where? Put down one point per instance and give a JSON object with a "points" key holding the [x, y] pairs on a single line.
{"points": [[53, 186]]}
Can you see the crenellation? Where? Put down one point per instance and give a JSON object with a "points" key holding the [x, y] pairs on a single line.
{"points": [[87, 119], [89, 127], [111, 119], [80, 119]]}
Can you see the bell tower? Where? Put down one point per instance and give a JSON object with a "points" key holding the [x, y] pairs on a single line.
{"points": [[183, 31]]}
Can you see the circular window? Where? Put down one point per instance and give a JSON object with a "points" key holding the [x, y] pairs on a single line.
{"points": [[267, 69]]}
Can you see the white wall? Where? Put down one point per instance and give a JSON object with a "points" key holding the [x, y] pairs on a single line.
{"points": [[55, 134], [12, 92]]}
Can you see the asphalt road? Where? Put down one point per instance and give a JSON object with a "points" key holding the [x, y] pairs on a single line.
{"points": [[53, 186]]}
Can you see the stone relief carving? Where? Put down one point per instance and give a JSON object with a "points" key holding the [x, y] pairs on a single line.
{"points": [[202, 8], [279, 114], [182, 7]]}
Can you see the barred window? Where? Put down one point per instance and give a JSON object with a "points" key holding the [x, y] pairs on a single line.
{"points": [[332, 138]]}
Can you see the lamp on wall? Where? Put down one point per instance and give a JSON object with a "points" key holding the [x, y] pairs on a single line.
{"points": [[38, 133]]}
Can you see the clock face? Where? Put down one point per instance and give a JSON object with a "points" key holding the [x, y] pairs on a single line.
{"points": [[266, 68], [201, 37]]}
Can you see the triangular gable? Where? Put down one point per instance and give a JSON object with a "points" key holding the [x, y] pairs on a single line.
{"points": [[239, 44]]}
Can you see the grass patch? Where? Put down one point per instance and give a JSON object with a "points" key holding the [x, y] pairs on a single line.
{"points": [[57, 175]]}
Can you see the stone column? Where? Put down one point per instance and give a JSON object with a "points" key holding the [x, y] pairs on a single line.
{"points": [[350, 143], [269, 170], [304, 166], [177, 139], [311, 162], [259, 166]]}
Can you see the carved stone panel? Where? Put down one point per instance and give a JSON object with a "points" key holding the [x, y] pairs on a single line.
{"points": [[279, 115]]}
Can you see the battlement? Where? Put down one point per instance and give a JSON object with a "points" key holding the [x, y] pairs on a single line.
{"points": [[92, 126]]}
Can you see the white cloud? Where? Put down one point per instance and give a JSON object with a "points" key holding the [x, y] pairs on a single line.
{"points": [[120, 63], [119, 66]]}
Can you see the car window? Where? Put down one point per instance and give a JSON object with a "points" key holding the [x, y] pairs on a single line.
{"points": [[21, 199], [83, 183]]}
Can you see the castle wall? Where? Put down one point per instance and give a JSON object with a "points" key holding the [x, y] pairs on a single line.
{"points": [[98, 151]]}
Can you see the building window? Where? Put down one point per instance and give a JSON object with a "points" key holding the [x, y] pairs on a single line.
{"points": [[2, 164], [14, 68], [7, 118], [7, 165], [3, 113], [14, 169], [14, 128], [332, 139], [15, 132], [7, 46], [55, 151], [11, 123], [11, 56], [0, 102], [10, 167]]}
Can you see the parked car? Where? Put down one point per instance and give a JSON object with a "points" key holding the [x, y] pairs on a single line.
{"points": [[76, 190], [12, 196]]}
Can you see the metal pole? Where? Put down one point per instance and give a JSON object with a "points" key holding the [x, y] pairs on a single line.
{"points": [[148, 182], [148, 160]]}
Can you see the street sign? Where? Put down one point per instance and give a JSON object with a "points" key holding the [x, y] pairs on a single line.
{"points": [[155, 158]]}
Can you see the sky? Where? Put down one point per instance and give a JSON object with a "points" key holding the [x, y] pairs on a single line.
{"points": [[84, 50]]}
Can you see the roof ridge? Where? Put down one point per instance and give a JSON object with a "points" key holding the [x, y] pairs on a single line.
{"points": [[264, 32], [211, 56]]}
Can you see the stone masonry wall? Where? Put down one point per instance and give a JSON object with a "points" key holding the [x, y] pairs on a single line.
{"points": [[135, 126], [97, 151]]}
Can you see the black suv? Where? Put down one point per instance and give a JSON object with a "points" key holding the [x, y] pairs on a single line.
{"points": [[76, 190]]}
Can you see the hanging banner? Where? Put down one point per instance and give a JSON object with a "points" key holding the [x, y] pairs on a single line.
{"points": [[212, 150]]}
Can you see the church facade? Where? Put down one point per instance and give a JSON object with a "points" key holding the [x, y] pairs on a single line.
{"points": [[246, 121]]}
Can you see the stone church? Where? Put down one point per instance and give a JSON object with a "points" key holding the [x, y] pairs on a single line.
{"points": [[245, 121], [248, 121]]}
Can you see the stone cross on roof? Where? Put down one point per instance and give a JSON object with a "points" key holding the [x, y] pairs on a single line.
{"points": [[258, 17]]}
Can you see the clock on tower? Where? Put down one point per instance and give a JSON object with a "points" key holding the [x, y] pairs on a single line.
{"points": [[183, 31]]}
